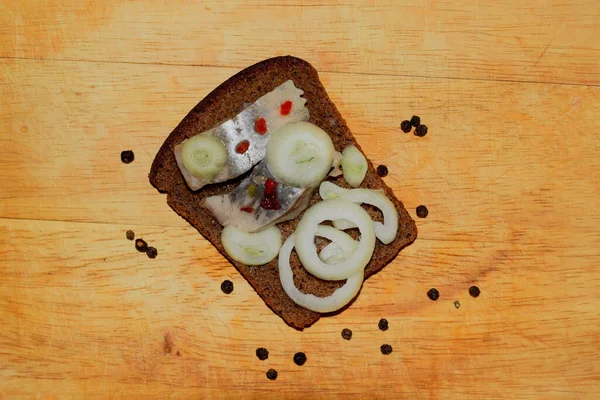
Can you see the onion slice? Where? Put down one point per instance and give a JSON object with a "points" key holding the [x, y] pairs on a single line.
{"points": [[307, 229], [332, 253], [204, 156], [385, 232], [354, 166], [337, 300], [300, 154], [251, 248], [341, 248]]}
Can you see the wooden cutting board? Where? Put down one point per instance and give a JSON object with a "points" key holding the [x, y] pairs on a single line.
{"points": [[510, 173]]}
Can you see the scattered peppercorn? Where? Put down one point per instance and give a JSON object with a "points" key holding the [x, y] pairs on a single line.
{"points": [[422, 211], [227, 286], [272, 374], [151, 252], [421, 130], [415, 121], [457, 304], [141, 245], [405, 126], [127, 156], [130, 235], [474, 291], [346, 333], [382, 171], [262, 353], [433, 294], [383, 324], [386, 349], [300, 358]]}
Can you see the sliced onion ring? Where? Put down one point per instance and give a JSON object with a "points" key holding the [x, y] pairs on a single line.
{"points": [[251, 248], [385, 232], [343, 224], [341, 248], [307, 229], [300, 154], [332, 253], [340, 238], [337, 300]]}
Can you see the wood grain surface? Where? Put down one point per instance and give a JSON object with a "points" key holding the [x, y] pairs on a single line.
{"points": [[510, 173]]}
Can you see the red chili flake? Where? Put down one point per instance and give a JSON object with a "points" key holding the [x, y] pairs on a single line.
{"points": [[270, 186], [260, 126], [269, 201], [247, 209], [242, 147], [285, 108]]}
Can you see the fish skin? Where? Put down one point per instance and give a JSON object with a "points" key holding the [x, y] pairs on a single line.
{"points": [[226, 208], [241, 127]]}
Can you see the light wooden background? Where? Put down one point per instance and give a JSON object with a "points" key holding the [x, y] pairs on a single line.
{"points": [[510, 172]]}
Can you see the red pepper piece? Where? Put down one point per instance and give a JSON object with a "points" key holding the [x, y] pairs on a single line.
{"points": [[269, 201], [285, 108], [270, 186], [247, 209], [260, 126], [242, 147]]}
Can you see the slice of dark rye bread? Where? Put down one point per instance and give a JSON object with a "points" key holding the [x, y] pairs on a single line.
{"points": [[223, 103]]}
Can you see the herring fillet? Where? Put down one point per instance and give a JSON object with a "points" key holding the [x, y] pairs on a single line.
{"points": [[227, 208], [241, 127]]}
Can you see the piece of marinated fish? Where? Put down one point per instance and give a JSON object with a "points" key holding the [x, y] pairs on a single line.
{"points": [[259, 202], [279, 107]]}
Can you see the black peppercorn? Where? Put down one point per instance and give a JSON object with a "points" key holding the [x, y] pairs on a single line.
{"points": [[405, 126], [422, 211], [382, 171], [300, 358], [421, 130], [227, 286], [346, 333], [151, 252], [141, 245], [474, 291], [262, 353], [457, 304], [127, 156], [415, 121], [130, 235], [386, 349], [433, 294], [272, 374], [383, 324]]}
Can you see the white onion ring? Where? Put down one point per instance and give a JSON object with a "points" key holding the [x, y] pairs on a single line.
{"points": [[337, 300], [385, 232], [307, 229], [251, 248], [343, 224], [332, 253], [341, 239], [341, 248]]}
